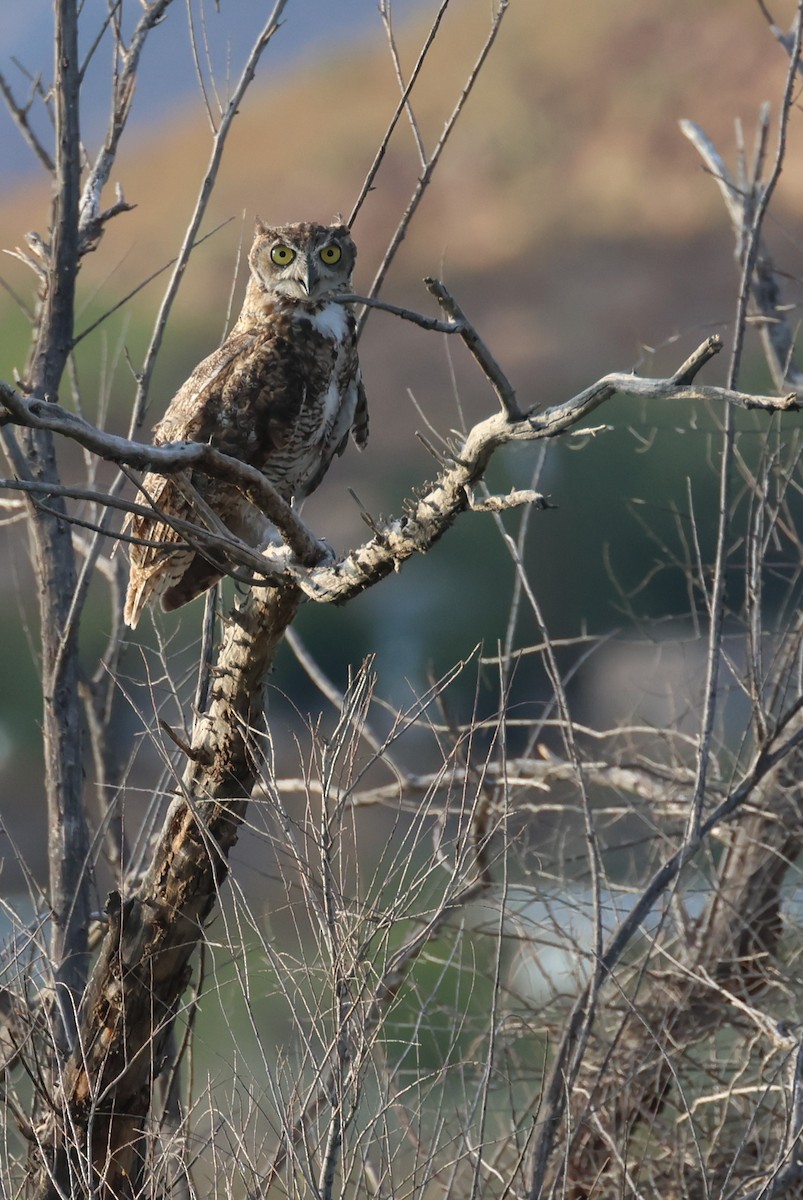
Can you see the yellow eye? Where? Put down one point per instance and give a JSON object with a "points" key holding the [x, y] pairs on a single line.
{"points": [[282, 255], [331, 254]]}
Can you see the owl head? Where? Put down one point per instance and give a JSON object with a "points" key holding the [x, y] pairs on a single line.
{"points": [[303, 261]]}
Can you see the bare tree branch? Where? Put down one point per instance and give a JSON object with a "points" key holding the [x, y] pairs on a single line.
{"points": [[20, 115], [400, 108], [773, 324], [427, 517], [487, 363], [53, 553], [426, 175], [91, 218]]}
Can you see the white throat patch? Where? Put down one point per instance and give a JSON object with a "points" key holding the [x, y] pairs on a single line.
{"points": [[331, 321]]}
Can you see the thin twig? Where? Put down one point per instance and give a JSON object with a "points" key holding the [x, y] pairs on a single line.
{"points": [[787, 40], [104, 316], [777, 335], [91, 219], [385, 142], [20, 116], [269, 29], [384, 12], [488, 364], [336, 698], [199, 75], [407, 314], [426, 175], [555, 1096]]}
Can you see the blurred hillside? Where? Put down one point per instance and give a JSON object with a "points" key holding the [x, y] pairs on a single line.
{"points": [[574, 224], [168, 70], [567, 199]]}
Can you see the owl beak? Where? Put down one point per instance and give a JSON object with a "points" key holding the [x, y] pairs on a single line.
{"points": [[310, 279]]}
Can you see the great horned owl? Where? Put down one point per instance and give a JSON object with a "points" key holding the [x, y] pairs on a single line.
{"points": [[282, 394]]}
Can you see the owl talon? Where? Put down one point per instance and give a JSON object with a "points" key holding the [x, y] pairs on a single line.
{"points": [[327, 554], [278, 559], [281, 560]]}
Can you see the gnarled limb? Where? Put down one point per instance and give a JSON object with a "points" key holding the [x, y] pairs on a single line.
{"points": [[430, 514]]}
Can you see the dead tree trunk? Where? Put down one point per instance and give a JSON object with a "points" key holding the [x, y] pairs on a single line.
{"points": [[94, 1138], [54, 559]]}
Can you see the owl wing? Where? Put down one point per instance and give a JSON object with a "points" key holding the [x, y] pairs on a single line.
{"points": [[359, 428], [163, 557]]}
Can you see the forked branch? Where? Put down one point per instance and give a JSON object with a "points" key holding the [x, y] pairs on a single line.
{"points": [[427, 516]]}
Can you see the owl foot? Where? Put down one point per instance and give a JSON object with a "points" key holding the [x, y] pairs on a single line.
{"points": [[328, 556], [281, 560]]}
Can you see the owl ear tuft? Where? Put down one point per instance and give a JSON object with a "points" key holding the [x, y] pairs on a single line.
{"points": [[259, 225]]}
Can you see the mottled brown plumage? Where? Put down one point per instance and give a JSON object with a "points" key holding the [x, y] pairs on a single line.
{"points": [[281, 394]]}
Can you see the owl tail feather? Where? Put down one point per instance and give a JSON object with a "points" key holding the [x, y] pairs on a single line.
{"points": [[137, 597]]}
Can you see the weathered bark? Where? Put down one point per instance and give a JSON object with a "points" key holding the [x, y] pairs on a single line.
{"points": [[144, 962], [54, 559]]}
